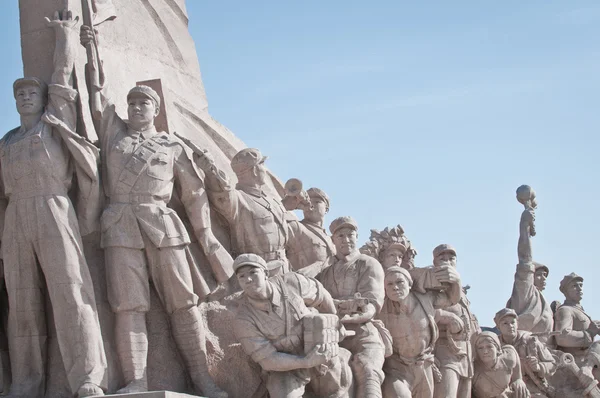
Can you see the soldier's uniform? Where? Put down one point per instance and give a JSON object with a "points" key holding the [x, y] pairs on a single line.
{"points": [[359, 274], [42, 246], [308, 245], [497, 381], [146, 240], [527, 345], [258, 222], [264, 327], [535, 314], [571, 319]]}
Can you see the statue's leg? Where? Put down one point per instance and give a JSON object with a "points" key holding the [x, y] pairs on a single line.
{"points": [[26, 320], [129, 296], [71, 292], [368, 355], [464, 388], [290, 384], [170, 273], [448, 387]]}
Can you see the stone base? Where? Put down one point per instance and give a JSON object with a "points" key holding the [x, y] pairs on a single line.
{"points": [[155, 394]]}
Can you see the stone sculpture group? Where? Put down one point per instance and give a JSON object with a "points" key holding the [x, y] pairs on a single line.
{"points": [[312, 314]]}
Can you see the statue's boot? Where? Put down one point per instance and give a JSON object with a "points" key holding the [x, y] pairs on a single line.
{"points": [[132, 347], [189, 335], [89, 390]]}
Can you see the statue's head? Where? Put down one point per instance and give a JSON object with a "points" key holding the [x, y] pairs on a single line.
{"points": [[526, 196], [143, 105], [572, 287], [249, 167], [487, 348], [506, 322], [444, 255], [391, 247], [344, 233], [31, 96], [540, 276], [320, 205], [397, 283], [252, 274]]}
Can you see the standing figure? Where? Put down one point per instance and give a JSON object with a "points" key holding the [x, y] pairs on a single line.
{"points": [[146, 240], [310, 250], [453, 350], [355, 281], [537, 362], [534, 312], [497, 369], [577, 329], [258, 223], [411, 319], [271, 327], [41, 237]]}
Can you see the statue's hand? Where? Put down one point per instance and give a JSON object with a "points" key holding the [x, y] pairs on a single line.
{"points": [[319, 355], [456, 324], [528, 220], [447, 274], [62, 20], [204, 160], [367, 313], [86, 35], [533, 363], [520, 389]]}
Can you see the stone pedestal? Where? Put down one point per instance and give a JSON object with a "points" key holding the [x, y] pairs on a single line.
{"points": [[156, 394]]}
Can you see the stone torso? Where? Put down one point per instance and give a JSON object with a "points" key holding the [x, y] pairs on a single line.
{"points": [[495, 382], [410, 327], [308, 244], [35, 163]]}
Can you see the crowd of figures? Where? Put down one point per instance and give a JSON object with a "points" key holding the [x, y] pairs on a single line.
{"points": [[317, 313]]}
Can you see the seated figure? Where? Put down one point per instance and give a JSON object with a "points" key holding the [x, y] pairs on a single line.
{"points": [[497, 369], [272, 327]]}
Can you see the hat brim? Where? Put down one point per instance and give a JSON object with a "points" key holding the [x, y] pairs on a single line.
{"points": [[346, 225], [249, 263]]}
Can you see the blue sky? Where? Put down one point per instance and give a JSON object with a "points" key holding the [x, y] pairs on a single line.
{"points": [[424, 115]]}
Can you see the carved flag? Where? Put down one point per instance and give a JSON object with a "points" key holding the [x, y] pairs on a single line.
{"points": [[104, 10]]}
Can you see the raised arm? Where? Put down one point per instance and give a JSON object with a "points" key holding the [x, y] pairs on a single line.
{"points": [[526, 231]]}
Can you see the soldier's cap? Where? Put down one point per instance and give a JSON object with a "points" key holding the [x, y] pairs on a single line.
{"points": [[572, 277], [503, 313], [144, 91], [342, 222], [246, 159], [318, 193], [542, 266], [399, 270], [251, 259], [444, 247], [493, 337], [396, 245], [30, 81]]}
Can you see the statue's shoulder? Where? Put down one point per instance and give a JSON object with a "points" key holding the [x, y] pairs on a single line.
{"points": [[4, 139]]}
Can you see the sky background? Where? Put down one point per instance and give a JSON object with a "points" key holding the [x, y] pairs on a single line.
{"points": [[427, 115]]}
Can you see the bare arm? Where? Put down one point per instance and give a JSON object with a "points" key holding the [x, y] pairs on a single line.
{"points": [[525, 233]]}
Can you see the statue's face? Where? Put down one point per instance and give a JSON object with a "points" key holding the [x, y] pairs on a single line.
{"points": [[141, 112], [397, 286], [318, 211], [30, 100], [392, 257], [446, 258], [260, 172], [487, 352], [253, 281], [574, 291], [344, 240], [508, 327], [539, 279]]}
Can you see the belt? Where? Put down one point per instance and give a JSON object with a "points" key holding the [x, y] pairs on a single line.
{"points": [[46, 191], [272, 256], [134, 198]]}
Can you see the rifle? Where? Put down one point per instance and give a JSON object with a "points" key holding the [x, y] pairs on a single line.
{"points": [[201, 152], [94, 67]]}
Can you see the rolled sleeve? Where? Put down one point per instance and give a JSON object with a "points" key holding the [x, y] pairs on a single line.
{"points": [[370, 282]]}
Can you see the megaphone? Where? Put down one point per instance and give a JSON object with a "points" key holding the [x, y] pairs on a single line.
{"points": [[293, 187]]}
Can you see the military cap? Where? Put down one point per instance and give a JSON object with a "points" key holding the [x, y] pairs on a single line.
{"points": [[144, 91], [399, 270], [503, 313], [246, 159], [341, 222], [568, 279], [251, 259], [444, 247], [318, 193], [30, 81]]}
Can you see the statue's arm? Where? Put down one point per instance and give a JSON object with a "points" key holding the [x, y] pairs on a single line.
{"points": [[314, 294], [525, 233], [563, 322]]}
